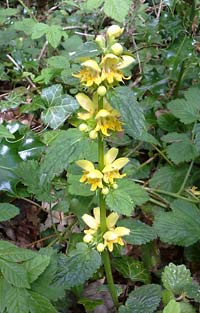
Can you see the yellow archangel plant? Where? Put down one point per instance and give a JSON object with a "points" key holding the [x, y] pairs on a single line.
{"points": [[99, 120]]}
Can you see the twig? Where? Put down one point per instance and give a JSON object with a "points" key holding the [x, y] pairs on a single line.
{"points": [[7, 3], [84, 34], [163, 155], [159, 10], [75, 27], [19, 68], [42, 51]]}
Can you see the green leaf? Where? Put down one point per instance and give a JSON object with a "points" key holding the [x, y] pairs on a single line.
{"points": [[117, 9], [131, 269], [7, 211], [12, 253], [196, 132], [140, 233], [36, 266], [93, 4], [175, 277], [54, 34], [17, 300], [143, 299], [186, 109], [181, 226], [77, 188], [59, 106], [187, 308], [78, 267], [26, 25], [172, 307], [88, 49], [58, 62], [5, 133], [3, 291], [181, 149], [123, 99], [60, 155], [40, 304], [120, 202], [163, 178], [192, 291], [14, 273], [39, 30]]}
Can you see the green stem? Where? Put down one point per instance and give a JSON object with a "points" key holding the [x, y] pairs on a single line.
{"points": [[163, 155], [186, 178], [102, 205], [28, 10], [171, 194]]}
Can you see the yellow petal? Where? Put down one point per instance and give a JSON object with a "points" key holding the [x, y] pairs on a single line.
{"points": [[114, 31], [110, 246], [119, 163], [90, 221], [110, 156], [92, 64], [111, 220], [121, 231], [113, 59], [102, 113], [87, 238], [85, 102], [110, 235], [86, 165], [96, 212], [95, 174], [126, 61]]}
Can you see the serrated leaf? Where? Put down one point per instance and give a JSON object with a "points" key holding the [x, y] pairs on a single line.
{"points": [[54, 34], [172, 307], [14, 273], [17, 300], [163, 178], [59, 106], [181, 149], [140, 233], [38, 303], [174, 277], [192, 291], [58, 62], [3, 291], [5, 133], [36, 266], [181, 226], [8, 211], [187, 308], [123, 99], [131, 269], [196, 132], [144, 299], [77, 188], [88, 49], [120, 202], [12, 253], [75, 269], [39, 30], [186, 109], [117, 9], [93, 4], [60, 155], [26, 25]]}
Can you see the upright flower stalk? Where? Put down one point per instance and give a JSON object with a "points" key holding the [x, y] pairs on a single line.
{"points": [[99, 120]]}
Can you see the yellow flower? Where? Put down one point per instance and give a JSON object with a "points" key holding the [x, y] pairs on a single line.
{"points": [[114, 31], [90, 175], [87, 104], [90, 74], [195, 191], [112, 65], [107, 119], [114, 236], [112, 166]]}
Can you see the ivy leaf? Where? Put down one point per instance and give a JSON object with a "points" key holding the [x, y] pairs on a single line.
{"points": [[186, 109], [5, 133], [59, 106], [36, 266], [124, 100], [79, 266], [132, 269], [175, 277], [120, 202], [143, 299], [38, 303], [14, 273], [172, 307], [140, 233], [17, 300], [60, 155], [7, 211], [181, 149], [181, 226], [117, 9]]}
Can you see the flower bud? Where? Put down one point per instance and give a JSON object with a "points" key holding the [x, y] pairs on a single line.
{"points": [[101, 91], [83, 127], [93, 134], [100, 247], [87, 238], [100, 40], [117, 48], [114, 31], [115, 186], [105, 191]]}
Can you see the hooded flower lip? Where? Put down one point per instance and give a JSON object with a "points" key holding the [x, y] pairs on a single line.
{"points": [[90, 174], [90, 74], [107, 120], [112, 166], [114, 236], [87, 104]]}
